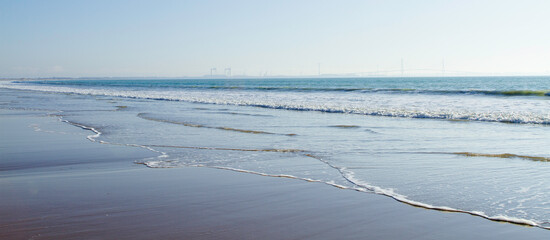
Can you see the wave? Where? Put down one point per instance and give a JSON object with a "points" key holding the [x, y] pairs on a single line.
{"points": [[504, 155], [345, 126], [525, 93], [287, 88], [540, 93], [401, 198], [279, 150], [150, 118], [491, 155], [520, 111], [358, 185]]}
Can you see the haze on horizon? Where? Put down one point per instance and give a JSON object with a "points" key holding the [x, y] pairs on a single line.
{"points": [[292, 38]]}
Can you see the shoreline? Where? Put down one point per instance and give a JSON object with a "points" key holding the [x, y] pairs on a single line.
{"points": [[98, 198]]}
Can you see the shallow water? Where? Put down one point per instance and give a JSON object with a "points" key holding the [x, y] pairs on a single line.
{"points": [[428, 142]]}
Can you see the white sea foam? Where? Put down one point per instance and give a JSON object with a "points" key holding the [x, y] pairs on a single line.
{"points": [[361, 186], [97, 134], [402, 198], [473, 108], [89, 137]]}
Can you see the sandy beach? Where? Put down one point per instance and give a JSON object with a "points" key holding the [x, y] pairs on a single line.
{"points": [[274, 120], [55, 184]]}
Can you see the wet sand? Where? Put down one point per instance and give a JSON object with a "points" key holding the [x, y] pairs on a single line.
{"points": [[55, 184]]}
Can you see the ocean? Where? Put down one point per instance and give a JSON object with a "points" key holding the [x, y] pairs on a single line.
{"points": [[478, 145]]}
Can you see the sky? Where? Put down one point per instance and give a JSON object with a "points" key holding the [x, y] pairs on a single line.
{"points": [[270, 38]]}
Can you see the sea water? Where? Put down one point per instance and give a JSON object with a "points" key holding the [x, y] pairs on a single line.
{"points": [[479, 145]]}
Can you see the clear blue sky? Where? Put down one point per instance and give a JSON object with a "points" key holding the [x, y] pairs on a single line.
{"points": [[187, 38]]}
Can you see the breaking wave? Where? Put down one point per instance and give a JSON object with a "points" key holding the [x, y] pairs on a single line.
{"points": [[299, 86], [522, 111]]}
